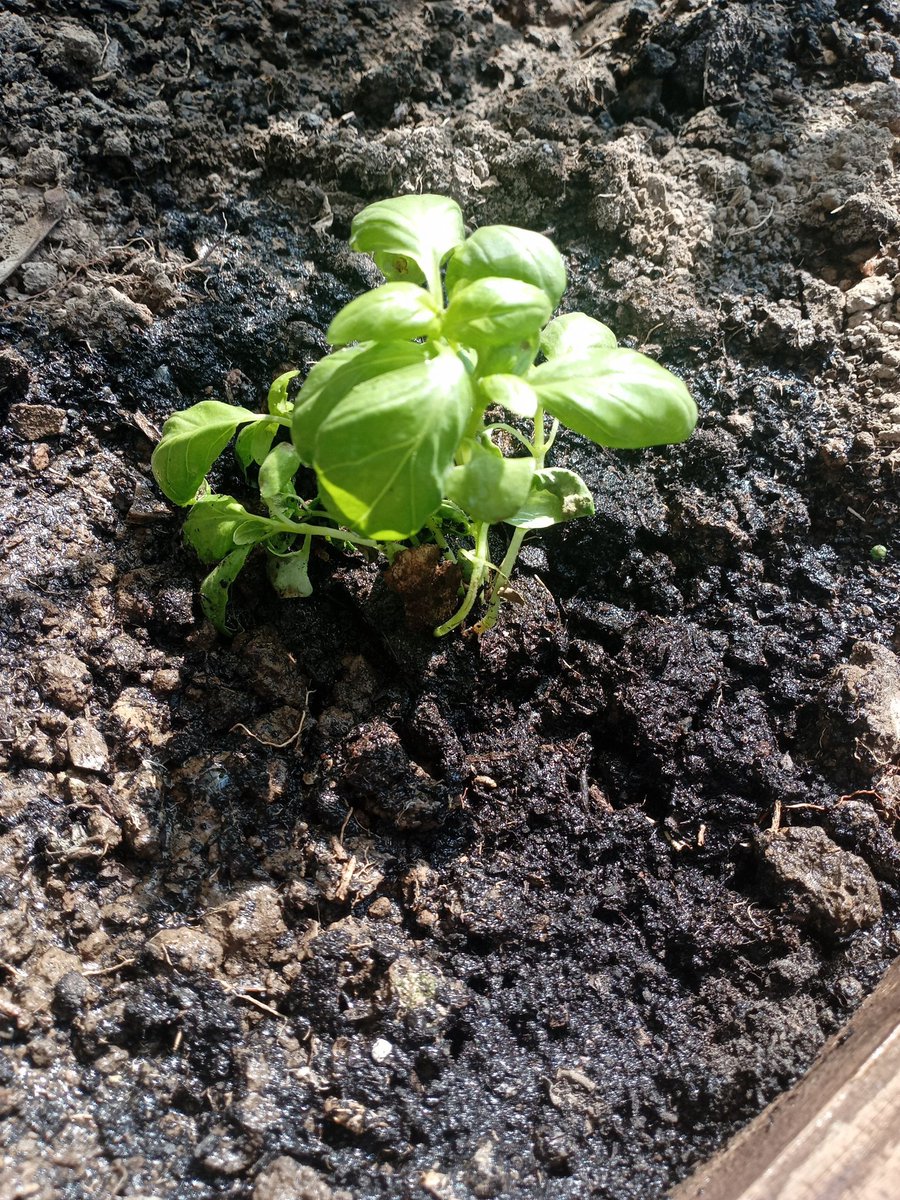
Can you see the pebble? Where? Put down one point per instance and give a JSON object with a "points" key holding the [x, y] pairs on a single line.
{"points": [[381, 1050], [66, 682], [34, 422], [823, 885], [86, 747], [869, 293]]}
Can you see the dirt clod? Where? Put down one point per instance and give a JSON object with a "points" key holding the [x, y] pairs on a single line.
{"points": [[822, 884]]}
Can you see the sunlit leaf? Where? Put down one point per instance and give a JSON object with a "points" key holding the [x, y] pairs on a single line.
{"points": [[510, 252], [490, 487], [279, 402], [512, 359], [215, 520], [389, 313], [407, 232], [333, 377], [511, 392], [617, 398], [191, 442], [254, 442], [576, 333], [289, 573], [383, 453], [496, 311]]}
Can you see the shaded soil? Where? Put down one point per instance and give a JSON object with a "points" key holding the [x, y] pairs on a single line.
{"points": [[336, 911]]}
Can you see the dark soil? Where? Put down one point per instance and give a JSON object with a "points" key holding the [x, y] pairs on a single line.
{"points": [[334, 910]]}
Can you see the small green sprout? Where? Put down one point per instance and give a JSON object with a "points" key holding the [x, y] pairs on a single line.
{"points": [[878, 553], [403, 423]]}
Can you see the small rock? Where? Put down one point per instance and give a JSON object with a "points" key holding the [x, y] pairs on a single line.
{"points": [[824, 886], [34, 422], [287, 1179], [86, 747], [869, 293], [381, 1050], [35, 986], [134, 800], [186, 948], [485, 1177], [44, 165], [222, 1154], [253, 922], [38, 277], [74, 51], [860, 705], [66, 682]]}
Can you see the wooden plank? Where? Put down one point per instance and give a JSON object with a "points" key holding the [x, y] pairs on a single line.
{"points": [[836, 1135]]}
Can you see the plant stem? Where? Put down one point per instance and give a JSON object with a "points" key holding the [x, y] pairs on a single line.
{"points": [[479, 571], [504, 571], [340, 535]]}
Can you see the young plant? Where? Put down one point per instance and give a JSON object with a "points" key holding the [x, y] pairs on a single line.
{"points": [[407, 424]]}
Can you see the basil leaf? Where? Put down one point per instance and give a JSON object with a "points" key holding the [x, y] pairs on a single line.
{"points": [[191, 442], [617, 398], [214, 522], [514, 359], [276, 475], [556, 495], [382, 454], [512, 253], [333, 377], [409, 230], [576, 333], [490, 487], [495, 311], [510, 391], [279, 404], [254, 442], [389, 313], [289, 573], [215, 588]]}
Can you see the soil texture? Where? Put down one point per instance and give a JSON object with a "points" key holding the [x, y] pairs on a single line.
{"points": [[336, 911]]}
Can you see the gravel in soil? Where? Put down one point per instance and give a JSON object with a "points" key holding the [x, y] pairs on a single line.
{"points": [[335, 911]]}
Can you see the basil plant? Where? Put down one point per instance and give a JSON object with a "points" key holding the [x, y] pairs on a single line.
{"points": [[432, 418]]}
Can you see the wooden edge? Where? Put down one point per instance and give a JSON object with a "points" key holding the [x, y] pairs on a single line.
{"points": [[835, 1134]]}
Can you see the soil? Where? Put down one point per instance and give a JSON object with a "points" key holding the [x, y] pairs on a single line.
{"points": [[335, 911]]}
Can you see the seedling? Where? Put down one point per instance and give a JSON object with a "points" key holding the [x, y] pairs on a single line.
{"points": [[430, 421]]}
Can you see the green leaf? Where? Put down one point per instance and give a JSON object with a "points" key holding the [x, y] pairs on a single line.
{"points": [[382, 454], [576, 333], [276, 475], [279, 402], [490, 487], [514, 359], [556, 495], [215, 588], [215, 521], [409, 232], [334, 377], [254, 442], [289, 573], [390, 313], [513, 253], [511, 392], [617, 398], [191, 442], [496, 311]]}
